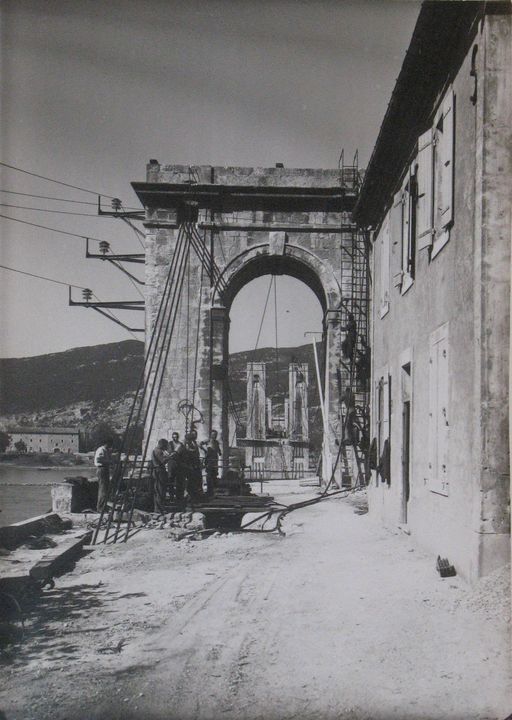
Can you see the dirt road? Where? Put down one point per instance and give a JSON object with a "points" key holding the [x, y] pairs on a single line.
{"points": [[339, 619]]}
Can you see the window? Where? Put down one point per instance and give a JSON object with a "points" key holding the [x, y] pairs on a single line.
{"points": [[436, 160], [403, 232], [384, 269], [258, 451], [438, 410]]}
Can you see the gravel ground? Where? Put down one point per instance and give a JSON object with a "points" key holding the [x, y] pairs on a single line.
{"points": [[340, 619]]}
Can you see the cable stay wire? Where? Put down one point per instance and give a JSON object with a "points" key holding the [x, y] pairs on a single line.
{"points": [[120, 266], [142, 406], [196, 351], [57, 182], [108, 313], [250, 410]]}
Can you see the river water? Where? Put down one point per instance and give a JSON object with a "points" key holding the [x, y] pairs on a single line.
{"points": [[26, 491]]}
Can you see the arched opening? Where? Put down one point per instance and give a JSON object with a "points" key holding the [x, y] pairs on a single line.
{"points": [[275, 419], [280, 417]]}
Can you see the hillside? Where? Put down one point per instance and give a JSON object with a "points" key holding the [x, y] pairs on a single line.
{"points": [[86, 385]]}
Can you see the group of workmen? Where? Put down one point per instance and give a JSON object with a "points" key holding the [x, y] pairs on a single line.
{"points": [[176, 469]]}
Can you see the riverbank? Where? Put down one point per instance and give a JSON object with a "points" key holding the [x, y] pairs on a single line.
{"points": [[25, 491], [46, 460], [340, 619]]}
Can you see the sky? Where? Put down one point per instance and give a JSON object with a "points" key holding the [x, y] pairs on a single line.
{"points": [[91, 91]]}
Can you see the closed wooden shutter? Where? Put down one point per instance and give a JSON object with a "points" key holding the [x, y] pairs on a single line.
{"points": [[438, 411], [396, 234], [446, 159], [384, 268], [425, 215]]}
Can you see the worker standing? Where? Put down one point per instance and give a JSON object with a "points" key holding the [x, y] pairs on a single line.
{"points": [[193, 467], [211, 449], [348, 345], [103, 461], [176, 468], [159, 459]]}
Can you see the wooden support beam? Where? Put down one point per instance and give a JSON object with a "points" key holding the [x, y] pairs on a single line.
{"points": [[53, 562]]}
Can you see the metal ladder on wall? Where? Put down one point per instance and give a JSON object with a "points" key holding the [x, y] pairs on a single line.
{"points": [[354, 388]]}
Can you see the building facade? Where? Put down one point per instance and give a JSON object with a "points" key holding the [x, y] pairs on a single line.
{"points": [[436, 195], [45, 440]]}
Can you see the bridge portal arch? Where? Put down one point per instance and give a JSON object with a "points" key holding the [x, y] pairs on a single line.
{"points": [[319, 277], [247, 222]]}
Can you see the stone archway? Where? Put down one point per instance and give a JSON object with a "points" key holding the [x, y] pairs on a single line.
{"points": [[253, 221], [319, 277]]}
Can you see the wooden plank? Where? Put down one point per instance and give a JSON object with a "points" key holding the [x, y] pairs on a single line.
{"points": [[50, 564]]}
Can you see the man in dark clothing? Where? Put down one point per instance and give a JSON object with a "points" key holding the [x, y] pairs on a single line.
{"points": [[364, 365], [212, 453], [349, 343], [176, 468], [159, 458], [193, 467]]}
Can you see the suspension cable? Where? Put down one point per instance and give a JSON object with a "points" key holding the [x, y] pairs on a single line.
{"points": [[146, 372]]}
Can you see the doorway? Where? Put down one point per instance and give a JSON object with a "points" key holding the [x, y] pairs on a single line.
{"points": [[406, 382]]}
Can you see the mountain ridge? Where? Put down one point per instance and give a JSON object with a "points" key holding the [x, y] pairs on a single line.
{"points": [[96, 383]]}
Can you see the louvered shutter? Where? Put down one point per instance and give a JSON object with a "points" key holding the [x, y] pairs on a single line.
{"points": [[446, 158], [384, 269], [425, 189], [396, 225]]}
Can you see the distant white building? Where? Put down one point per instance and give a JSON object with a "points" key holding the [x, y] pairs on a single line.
{"points": [[45, 439]]}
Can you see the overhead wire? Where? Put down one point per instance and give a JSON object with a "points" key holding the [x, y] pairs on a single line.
{"points": [[50, 210], [57, 182], [60, 282], [83, 236], [42, 277], [113, 316], [59, 199], [47, 197]]}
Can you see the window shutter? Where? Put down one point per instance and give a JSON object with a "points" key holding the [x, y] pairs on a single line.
{"points": [[438, 411], [386, 407], [432, 414], [442, 420], [396, 223], [446, 152], [425, 190], [407, 198], [384, 269]]}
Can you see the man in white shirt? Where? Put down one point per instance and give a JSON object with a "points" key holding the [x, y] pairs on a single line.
{"points": [[103, 461]]}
